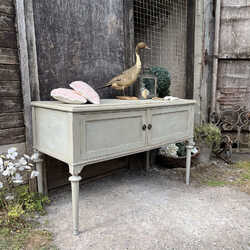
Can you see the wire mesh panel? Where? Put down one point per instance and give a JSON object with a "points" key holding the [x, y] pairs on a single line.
{"points": [[162, 24]]}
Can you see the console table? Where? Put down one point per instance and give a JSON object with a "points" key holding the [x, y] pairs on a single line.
{"points": [[80, 135]]}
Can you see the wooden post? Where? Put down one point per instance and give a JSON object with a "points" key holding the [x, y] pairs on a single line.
{"points": [[24, 69], [32, 53], [216, 54]]}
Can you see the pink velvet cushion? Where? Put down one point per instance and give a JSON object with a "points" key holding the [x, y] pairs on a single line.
{"points": [[85, 90], [67, 96]]}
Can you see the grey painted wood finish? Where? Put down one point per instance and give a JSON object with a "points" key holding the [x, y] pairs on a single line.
{"points": [[80, 135]]}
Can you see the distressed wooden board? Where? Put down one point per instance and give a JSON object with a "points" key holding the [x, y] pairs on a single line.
{"points": [[235, 29], [11, 120], [8, 56], [7, 22], [11, 136], [7, 7], [233, 83], [11, 104], [8, 39], [9, 72], [10, 89], [78, 40]]}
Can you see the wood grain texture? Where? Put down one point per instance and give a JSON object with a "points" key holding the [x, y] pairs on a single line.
{"points": [[10, 104], [9, 72], [24, 69], [7, 7], [12, 135], [64, 55], [32, 52], [8, 39], [7, 22], [8, 56], [233, 83], [235, 29], [190, 51], [11, 120], [10, 89]]}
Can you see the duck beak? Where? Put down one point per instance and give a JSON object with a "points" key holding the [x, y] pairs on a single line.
{"points": [[147, 47]]}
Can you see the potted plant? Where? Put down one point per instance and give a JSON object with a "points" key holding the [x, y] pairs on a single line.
{"points": [[208, 137]]}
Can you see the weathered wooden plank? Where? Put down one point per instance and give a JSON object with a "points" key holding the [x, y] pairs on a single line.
{"points": [[12, 135], [8, 56], [32, 53], [235, 30], [10, 89], [11, 120], [233, 83], [9, 72], [7, 22], [8, 39], [190, 51], [7, 7], [11, 104], [24, 69], [64, 55]]}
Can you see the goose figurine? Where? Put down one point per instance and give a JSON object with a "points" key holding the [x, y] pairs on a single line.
{"points": [[129, 76]]}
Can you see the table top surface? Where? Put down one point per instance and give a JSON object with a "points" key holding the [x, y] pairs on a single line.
{"points": [[110, 104]]}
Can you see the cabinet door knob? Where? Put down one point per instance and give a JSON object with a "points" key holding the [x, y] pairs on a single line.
{"points": [[149, 126], [144, 127]]}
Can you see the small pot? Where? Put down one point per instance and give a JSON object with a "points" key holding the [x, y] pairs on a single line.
{"points": [[205, 153]]}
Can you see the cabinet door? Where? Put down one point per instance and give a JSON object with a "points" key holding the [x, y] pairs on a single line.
{"points": [[170, 124], [109, 133]]}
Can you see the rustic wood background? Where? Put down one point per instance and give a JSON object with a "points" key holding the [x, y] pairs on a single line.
{"points": [[233, 86], [79, 40], [11, 104]]}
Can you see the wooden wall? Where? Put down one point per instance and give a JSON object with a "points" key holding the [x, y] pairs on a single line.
{"points": [[11, 105], [233, 85], [79, 40]]}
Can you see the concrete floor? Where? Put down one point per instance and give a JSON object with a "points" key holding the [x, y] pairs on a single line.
{"points": [[133, 210]]}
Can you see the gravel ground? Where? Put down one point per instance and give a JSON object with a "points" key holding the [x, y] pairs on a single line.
{"points": [[134, 210]]}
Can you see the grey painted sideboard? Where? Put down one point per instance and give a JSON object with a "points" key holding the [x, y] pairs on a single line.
{"points": [[80, 135]]}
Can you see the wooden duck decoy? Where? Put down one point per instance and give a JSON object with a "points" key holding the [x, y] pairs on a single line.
{"points": [[129, 76]]}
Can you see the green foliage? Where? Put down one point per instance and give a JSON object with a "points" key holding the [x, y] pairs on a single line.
{"points": [[163, 80], [208, 134], [23, 203], [181, 149]]}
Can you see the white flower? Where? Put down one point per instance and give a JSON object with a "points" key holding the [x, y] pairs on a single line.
{"points": [[12, 153], [12, 150], [34, 174], [27, 167], [21, 168], [26, 156], [18, 179], [11, 168], [1, 161], [169, 150], [6, 172], [22, 161], [1, 185]]}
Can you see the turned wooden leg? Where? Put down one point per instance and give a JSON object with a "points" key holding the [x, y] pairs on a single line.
{"points": [[75, 202], [75, 179], [41, 178], [188, 160]]}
